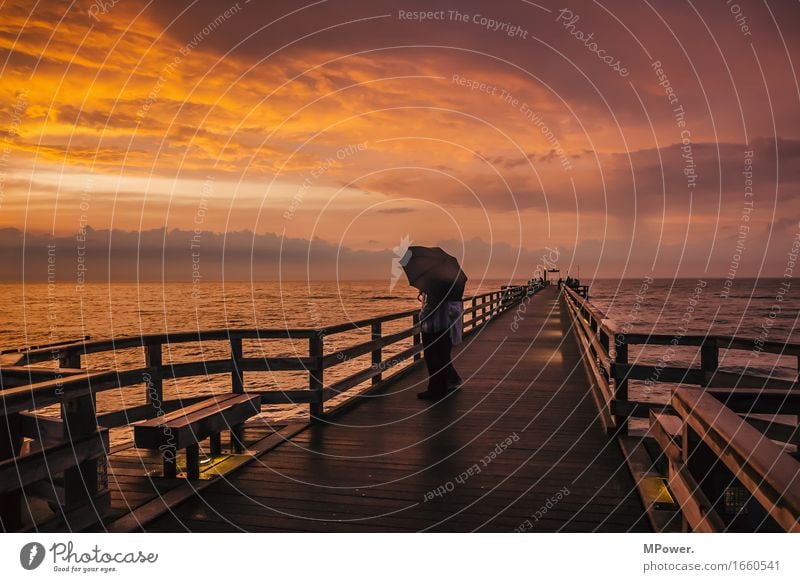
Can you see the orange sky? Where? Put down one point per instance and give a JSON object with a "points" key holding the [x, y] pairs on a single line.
{"points": [[352, 123]]}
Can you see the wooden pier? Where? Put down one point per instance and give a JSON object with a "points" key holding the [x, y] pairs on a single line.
{"points": [[536, 439], [397, 464]]}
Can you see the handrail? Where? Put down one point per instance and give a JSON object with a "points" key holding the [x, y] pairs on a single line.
{"points": [[72, 383], [722, 341], [770, 475], [64, 351], [706, 421], [608, 348], [491, 304]]}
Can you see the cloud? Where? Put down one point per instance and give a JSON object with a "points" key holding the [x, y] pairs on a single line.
{"points": [[156, 90], [396, 210], [181, 255]]}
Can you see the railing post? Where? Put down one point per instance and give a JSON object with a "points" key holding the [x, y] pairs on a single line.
{"points": [[153, 359], [709, 360], [621, 383], [237, 376], [604, 341], [687, 443], [69, 359], [83, 482], [316, 347], [10, 445], [377, 352], [703, 465], [475, 313], [417, 335]]}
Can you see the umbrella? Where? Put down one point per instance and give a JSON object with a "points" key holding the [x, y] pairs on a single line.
{"points": [[434, 272]]}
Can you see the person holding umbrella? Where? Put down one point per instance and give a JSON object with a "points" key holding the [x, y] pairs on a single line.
{"points": [[441, 282]]}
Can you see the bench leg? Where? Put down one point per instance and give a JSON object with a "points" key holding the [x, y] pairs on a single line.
{"points": [[170, 463], [237, 446], [216, 443], [193, 461]]}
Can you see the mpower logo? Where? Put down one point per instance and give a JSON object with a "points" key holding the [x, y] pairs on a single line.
{"points": [[31, 555]]}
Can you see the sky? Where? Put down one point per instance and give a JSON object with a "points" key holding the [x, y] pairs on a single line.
{"points": [[630, 138]]}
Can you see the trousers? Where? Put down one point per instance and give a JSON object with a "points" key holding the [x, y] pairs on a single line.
{"points": [[437, 348]]}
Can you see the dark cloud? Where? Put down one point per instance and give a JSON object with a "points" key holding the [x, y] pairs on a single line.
{"points": [[396, 210], [707, 57]]}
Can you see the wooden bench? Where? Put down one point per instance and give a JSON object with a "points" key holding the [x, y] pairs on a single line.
{"points": [[186, 427]]}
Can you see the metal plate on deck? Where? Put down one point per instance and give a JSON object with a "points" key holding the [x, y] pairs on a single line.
{"points": [[654, 491], [210, 466]]}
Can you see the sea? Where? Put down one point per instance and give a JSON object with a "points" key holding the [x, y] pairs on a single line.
{"points": [[765, 309], [42, 313]]}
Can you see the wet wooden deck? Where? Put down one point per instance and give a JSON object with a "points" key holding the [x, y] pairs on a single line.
{"points": [[138, 490], [375, 467]]}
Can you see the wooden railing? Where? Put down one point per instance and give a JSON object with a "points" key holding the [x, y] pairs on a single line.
{"points": [[724, 473], [717, 455], [27, 388]]}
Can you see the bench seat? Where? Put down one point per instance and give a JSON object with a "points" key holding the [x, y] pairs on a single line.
{"points": [[186, 427]]}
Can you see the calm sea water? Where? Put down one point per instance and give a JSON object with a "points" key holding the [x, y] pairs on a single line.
{"points": [[765, 308], [36, 314]]}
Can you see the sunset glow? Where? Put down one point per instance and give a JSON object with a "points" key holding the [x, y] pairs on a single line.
{"points": [[359, 123]]}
